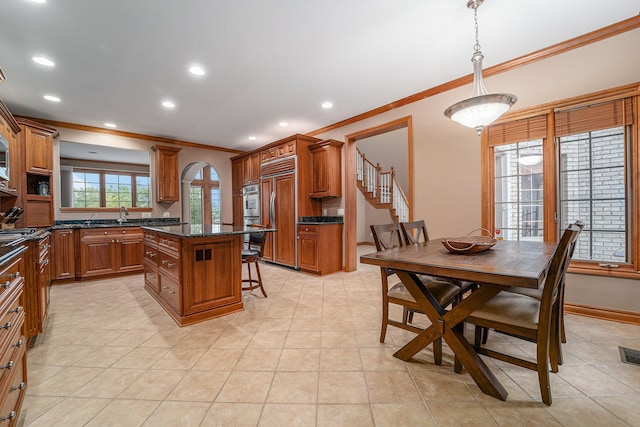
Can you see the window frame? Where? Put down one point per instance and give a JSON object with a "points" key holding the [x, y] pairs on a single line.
{"points": [[551, 177], [103, 207]]}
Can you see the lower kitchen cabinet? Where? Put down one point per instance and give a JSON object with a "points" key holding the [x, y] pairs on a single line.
{"points": [[110, 251], [320, 248], [193, 278], [37, 283], [13, 343], [64, 248]]}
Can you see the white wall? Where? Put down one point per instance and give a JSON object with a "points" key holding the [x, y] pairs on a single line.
{"points": [[447, 156]]}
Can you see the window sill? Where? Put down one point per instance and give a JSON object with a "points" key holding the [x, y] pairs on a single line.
{"points": [[625, 271]]}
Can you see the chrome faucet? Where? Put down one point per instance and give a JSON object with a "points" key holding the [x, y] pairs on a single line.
{"points": [[126, 214], [88, 222]]}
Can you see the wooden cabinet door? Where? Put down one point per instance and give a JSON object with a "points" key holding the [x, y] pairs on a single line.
{"points": [[38, 151], [44, 287], [308, 251], [236, 201], [96, 256], [213, 277], [246, 170], [167, 173], [255, 168], [326, 167], [285, 219], [237, 175], [129, 253], [266, 188], [320, 172], [64, 255]]}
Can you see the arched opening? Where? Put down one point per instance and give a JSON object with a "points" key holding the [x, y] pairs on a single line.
{"points": [[200, 181]]}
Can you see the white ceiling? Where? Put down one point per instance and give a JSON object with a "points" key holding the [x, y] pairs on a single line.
{"points": [[267, 61]]}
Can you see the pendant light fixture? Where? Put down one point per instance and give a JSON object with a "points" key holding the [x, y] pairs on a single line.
{"points": [[482, 108]]}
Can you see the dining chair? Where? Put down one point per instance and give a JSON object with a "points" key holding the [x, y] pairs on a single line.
{"points": [[415, 232], [537, 294], [387, 236], [530, 319], [251, 255]]}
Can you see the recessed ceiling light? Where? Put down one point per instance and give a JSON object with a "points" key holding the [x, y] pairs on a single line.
{"points": [[196, 70], [43, 61], [327, 105], [51, 98], [38, 1], [110, 125], [168, 104], [252, 138], [284, 124]]}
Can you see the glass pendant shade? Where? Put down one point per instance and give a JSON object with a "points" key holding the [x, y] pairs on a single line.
{"points": [[482, 108]]}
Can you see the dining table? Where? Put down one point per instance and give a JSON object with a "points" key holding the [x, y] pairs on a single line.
{"points": [[506, 264]]}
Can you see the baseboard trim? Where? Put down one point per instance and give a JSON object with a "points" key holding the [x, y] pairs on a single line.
{"points": [[603, 313], [365, 244]]}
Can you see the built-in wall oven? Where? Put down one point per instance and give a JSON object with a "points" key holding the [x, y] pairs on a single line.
{"points": [[251, 204]]}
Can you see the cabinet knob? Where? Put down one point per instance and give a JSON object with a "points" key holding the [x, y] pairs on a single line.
{"points": [[8, 365], [105, 232], [18, 387], [6, 284], [16, 310]]}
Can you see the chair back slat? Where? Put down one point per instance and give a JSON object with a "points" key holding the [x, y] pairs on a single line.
{"points": [[413, 231], [386, 236]]}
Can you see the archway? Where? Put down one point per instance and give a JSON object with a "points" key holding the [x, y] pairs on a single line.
{"points": [[201, 194]]}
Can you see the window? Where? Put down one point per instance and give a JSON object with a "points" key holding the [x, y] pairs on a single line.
{"points": [[592, 189], [519, 191], [204, 197], [102, 188], [537, 179]]}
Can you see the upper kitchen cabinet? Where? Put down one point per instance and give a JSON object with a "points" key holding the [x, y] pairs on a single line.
{"points": [[36, 169], [251, 169], [38, 147], [167, 173], [326, 161], [237, 173], [9, 174], [278, 151]]}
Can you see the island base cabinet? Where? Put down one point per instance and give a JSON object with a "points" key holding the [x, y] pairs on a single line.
{"points": [[215, 271], [194, 279]]}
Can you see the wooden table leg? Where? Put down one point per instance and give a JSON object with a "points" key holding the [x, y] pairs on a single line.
{"points": [[444, 325]]}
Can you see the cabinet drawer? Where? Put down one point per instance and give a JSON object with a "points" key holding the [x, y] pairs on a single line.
{"points": [[170, 291], [170, 265], [151, 275], [13, 312], [307, 229], [112, 233], [15, 393], [151, 254], [169, 242], [44, 246], [150, 238], [12, 354], [10, 276]]}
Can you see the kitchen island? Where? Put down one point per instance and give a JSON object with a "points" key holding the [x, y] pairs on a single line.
{"points": [[194, 271]]}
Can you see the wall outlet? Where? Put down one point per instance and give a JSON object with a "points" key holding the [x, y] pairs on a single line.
{"points": [[166, 214], [340, 212], [146, 214]]}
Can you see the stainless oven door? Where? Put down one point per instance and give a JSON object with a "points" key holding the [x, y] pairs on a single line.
{"points": [[251, 199]]}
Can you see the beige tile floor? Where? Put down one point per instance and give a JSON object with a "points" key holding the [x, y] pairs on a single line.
{"points": [[308, 355]]}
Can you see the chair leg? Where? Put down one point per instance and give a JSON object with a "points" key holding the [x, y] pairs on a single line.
{"points": [[260, 279], [410, 316], [542, 353], [385, 319], [405, 315], [478, 336], [437, 351], [457, 364]]}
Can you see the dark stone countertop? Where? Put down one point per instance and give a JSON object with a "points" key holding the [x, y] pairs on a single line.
{"points": [[319, 220], [205, 230], [105, 223]]}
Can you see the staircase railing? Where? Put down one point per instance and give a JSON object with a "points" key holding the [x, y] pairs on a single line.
{"points": [[383, 187]]}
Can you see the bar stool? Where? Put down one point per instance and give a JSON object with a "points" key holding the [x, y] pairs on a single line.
{"points": [[251, 255]]}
